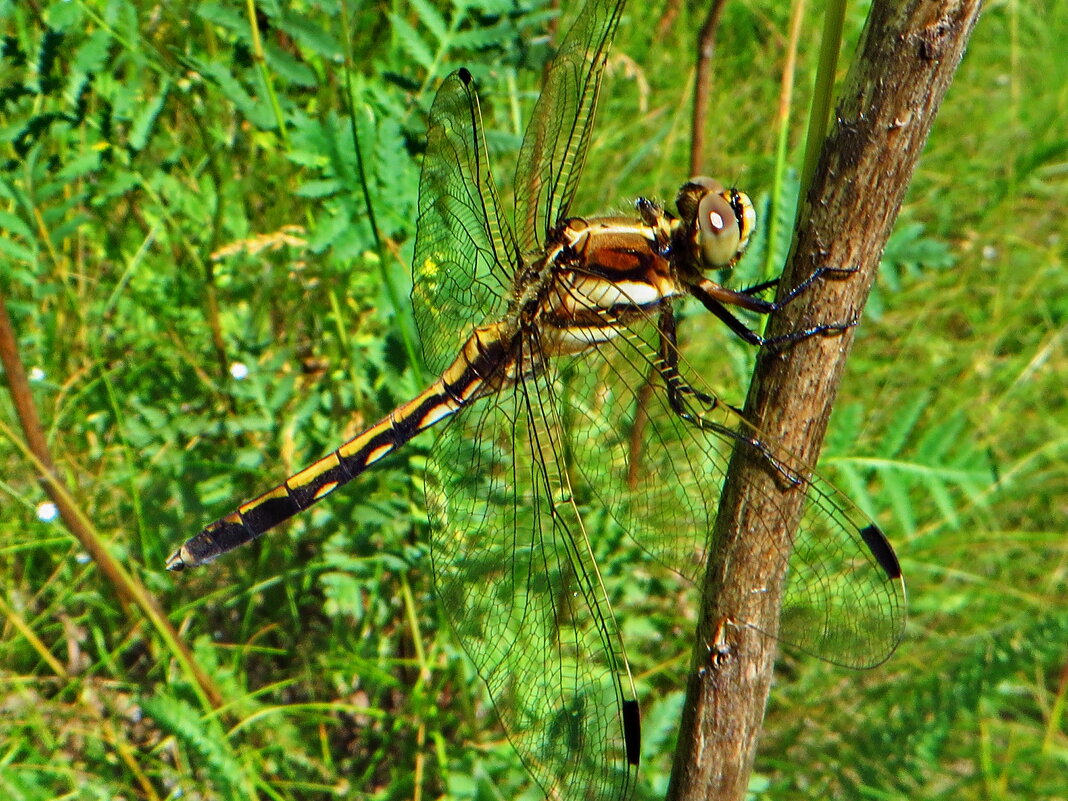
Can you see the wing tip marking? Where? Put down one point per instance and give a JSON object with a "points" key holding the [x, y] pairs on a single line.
{"points": [[632, 731], [879, 547]]}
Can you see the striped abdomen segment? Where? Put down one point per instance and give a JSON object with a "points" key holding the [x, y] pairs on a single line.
{"points": [[474, 372]]}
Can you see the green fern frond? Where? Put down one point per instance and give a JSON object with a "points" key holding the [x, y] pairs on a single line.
{"points": [[413, 45], [207, 742]]}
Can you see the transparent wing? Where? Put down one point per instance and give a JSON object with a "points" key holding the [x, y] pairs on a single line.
{"points": [[514, 573], [558, 134], [660, 477], [465, 250]]}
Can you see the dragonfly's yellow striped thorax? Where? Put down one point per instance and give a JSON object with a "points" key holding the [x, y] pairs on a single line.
{"points": [[605, 271]]}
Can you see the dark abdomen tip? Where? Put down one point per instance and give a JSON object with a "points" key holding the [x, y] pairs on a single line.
{"points": [[216, 539]]}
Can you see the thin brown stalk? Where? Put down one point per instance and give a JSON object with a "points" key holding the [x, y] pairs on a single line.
{"points": [[782, 125], [667, 19], [34, 445], [706, 49], [637, 431]]}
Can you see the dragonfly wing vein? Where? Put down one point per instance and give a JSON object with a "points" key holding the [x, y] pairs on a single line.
{"points": [[558, 136], [659, 473], [465, 251], [516, 576]]}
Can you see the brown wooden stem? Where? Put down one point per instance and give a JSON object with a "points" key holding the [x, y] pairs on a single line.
{"points": [[907, 56]]}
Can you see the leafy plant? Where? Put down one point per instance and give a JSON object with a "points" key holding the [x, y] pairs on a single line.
{"points": [[206, 223]]}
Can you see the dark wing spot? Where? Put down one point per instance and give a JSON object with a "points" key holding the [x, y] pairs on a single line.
{"points": [[881, 550]]}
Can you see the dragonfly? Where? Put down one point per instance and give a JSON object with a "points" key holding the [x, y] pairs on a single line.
{"points": [[544, 329]]}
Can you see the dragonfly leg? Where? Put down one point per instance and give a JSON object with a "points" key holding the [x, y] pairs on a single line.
{"points": [[805, 333], [681, 397], [817, 275], [719, 649], [713, 296], [650, 211], [668, 365], [828, 328], [756, 289]]}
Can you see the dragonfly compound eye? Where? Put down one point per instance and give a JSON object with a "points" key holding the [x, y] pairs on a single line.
{"points": [[691, 193], [719, 231]]}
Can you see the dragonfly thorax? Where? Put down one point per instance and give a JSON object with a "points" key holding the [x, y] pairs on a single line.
{"points": [[604, 272]]}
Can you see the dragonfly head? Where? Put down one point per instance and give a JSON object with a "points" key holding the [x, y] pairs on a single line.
{"points": [[716, 222]]}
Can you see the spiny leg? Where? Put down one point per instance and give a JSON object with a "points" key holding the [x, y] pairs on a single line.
{"points": [[680, 393], [713, 296], [818, 274]]}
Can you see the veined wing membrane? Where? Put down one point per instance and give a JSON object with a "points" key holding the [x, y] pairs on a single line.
{"points": [[514, 573], [558, 134], [465, 251], [844, 600]]}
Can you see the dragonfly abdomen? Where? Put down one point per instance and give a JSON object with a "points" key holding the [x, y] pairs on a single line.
{"points": [[483, 358]]}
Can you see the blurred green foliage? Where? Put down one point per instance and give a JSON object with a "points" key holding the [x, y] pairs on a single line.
{"points": [[188, 193]]}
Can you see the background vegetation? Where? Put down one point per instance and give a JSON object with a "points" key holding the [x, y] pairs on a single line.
{"points": [[205, 304]]}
